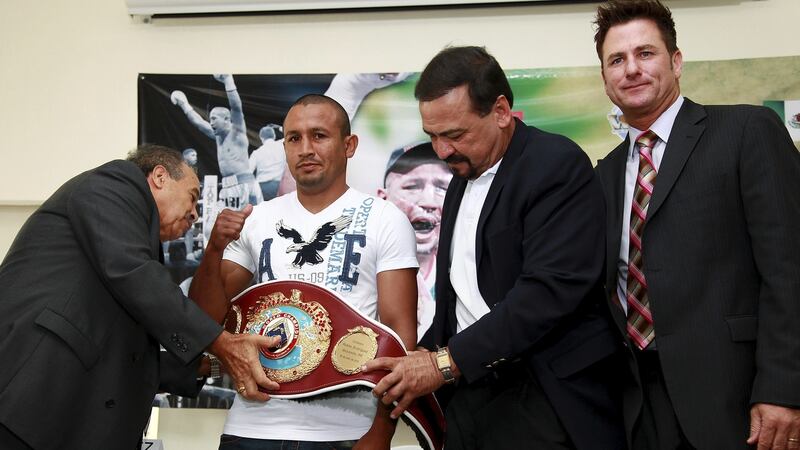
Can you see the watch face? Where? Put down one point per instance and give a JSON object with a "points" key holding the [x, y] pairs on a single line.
{"points": [[443, 360]]}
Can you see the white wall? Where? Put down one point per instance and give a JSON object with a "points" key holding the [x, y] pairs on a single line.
{"points": [[68, 68]]}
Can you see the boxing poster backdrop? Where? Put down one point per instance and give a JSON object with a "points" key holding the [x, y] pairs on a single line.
{"points": [[246, 164]]}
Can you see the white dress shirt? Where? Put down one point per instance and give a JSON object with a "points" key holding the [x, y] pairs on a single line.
{"points": [[470, 305], [662, 127]]}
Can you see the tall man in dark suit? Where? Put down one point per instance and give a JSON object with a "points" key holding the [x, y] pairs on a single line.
{"points": [[703, 255], [520, 320], [85, 303]]}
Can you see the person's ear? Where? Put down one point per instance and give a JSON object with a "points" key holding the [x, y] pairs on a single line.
{"points": [[350, 142], [502, 112], [677, 64], [158, 176]]}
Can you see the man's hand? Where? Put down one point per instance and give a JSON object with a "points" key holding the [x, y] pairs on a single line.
{"points": [[228, 227], [239, 354], [212, 287], [179, 99], [772, 427], [227, 80], [411, 376]]}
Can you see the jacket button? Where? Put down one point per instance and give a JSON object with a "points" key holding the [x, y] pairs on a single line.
{"points": [[110, 403]]}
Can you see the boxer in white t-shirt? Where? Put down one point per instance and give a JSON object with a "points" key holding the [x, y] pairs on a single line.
{"points": [[359, 246]]}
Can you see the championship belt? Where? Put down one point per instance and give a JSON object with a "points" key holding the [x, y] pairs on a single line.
{"points": [[324, 343]]}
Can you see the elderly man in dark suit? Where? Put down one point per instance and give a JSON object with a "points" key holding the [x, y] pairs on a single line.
{"points": [[85, 303], [521, 322], [703, 255]]}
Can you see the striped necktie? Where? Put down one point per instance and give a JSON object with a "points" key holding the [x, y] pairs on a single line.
{"points": [[640, 318]]}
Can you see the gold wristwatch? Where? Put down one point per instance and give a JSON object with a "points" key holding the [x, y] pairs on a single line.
{"points": [[443, 363]]}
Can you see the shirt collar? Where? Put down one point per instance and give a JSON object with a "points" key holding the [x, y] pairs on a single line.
{"points": [[662, 127], [492, 170]]}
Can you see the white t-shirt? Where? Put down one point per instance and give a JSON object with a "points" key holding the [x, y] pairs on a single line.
{"points": [[366, 235]]}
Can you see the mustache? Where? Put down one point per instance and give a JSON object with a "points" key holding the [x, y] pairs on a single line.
{"points": [[308, 159], [455, 159]]}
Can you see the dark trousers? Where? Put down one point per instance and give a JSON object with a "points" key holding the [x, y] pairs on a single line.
{"points": [[657, 427], [229, 442], [511, 412], [10, 441]]}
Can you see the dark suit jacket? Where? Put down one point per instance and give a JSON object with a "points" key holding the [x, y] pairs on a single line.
{"points": [[721, 250], [539, 254], [84, 304]]}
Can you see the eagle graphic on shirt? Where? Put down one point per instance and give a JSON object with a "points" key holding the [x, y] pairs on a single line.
{"points": [[308, 251]]}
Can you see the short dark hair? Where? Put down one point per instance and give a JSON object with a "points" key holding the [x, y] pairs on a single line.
{"points": [[620, 12], [406, 159], [148, 156], [471, 66], [317, 99]]}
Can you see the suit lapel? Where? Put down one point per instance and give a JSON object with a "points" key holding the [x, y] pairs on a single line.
{"points": [[682, 141], [612, 175], [455, 192], [445, 304], [518, 142]]}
